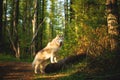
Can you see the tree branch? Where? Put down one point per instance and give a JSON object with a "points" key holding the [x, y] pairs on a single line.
{"points": [[34, 36], [11, 40]]}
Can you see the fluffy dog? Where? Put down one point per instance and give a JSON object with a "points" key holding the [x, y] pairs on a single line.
{"points": [[47, 53]]}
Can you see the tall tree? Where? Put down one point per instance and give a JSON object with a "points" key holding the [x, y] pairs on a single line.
{"points": [[67, 15], [1, 26], [66, 7], [15, 26], [13, 31], [112, 23], [41, 19], [4, 14], [35, 25], [72, 12]]}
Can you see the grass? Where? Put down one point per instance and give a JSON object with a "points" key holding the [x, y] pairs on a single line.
{"points": [[59, 76], [73, 77], [4, 57]]}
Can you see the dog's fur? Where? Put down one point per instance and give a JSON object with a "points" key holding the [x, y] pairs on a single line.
{"points": [[47, 53]]}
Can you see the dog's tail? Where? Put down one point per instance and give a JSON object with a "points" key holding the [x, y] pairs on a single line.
{"points": [[33, 63]]}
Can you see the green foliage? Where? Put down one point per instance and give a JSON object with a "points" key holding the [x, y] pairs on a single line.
{"points": [[8, 57], [74, 77], [83, 30], [89, 12], [4, 57]]}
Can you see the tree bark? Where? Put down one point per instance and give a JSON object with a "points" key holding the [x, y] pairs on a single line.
{"points": [[112, 23], [41, 20], [5, 15], [72, 13], [1, 23], [34, 29], [15, 26]]}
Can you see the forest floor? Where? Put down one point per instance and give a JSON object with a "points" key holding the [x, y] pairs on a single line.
{"points": [[23, 71], [16, 71], [10, 70]]}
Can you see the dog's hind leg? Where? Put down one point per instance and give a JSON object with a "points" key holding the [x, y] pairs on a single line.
{"points": [[42, 68], [36, 66]]}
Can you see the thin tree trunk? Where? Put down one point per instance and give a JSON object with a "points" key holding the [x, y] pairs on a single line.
{"points": [[15, 26], [5, 13], [34, 23], [67, 16], [1, 23], [25, 15], [41, 21], [72, 13]]}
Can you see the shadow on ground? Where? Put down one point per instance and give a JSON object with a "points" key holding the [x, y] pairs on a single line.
{"points": [[16, 71]]}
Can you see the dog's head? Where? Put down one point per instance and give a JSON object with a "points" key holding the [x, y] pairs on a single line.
{"points": [[59, 39]]}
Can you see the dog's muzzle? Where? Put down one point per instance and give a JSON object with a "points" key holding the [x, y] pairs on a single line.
{"points": [[61, 42]]}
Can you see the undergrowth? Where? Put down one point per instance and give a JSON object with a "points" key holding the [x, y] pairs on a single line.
{"points": [[104, 67], [6, 57]]}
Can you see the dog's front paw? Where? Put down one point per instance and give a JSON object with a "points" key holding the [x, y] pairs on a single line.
{"points": [[35, 72], [55, 61], [52, 62]]}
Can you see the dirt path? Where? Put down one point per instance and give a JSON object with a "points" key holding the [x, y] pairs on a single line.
{"points": [[16, 71]]}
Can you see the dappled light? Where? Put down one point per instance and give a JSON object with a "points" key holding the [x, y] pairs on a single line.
{"points": [[15, 70]]}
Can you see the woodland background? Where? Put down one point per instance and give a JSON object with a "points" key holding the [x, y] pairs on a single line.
{"points": [[89, 26]]}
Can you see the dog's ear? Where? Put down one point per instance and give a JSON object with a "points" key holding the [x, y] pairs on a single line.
{"points": [[62, 36]]}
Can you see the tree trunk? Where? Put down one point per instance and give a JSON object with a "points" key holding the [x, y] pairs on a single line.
{"points": [[5, 15], [112, 23], [15, 26], [41, 20], [40, 24], [1, 26], [35, 26], [67, 11], [72, 13]]}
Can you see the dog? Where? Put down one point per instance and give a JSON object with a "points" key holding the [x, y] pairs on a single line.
{"points": [[49, 52]]}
